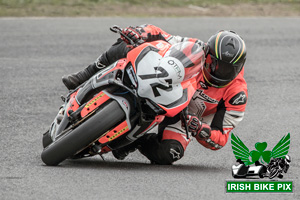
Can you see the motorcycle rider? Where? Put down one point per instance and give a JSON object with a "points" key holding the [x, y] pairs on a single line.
{"points": [[216, 108]]}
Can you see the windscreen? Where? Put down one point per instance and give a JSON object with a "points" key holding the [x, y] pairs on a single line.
{"points": [[190, 54]]}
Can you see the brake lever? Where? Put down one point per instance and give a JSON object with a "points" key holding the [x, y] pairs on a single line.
{"points": [[117, 29]]}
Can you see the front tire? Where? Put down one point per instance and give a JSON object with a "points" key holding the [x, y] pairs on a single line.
{"points": [[82, 136]]}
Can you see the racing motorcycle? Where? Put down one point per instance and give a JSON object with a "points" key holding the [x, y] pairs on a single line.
{"points": [[122, 102], [277, 166]]}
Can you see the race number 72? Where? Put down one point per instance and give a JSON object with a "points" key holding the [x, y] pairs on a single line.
{"points": [[156, 85]]}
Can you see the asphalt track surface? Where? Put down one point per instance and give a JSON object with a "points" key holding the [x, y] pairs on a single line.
{"points": [[36, 52]]}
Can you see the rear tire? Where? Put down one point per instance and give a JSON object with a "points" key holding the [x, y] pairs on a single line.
{"points": [[82, 136]]}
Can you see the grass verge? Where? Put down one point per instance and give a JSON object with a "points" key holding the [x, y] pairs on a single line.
{"points": [[143, 8]]}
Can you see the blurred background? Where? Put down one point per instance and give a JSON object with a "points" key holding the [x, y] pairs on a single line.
{"points": [[146, 8]]}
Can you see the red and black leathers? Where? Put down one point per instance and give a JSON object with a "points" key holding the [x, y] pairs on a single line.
{"points": [[219, 109]]}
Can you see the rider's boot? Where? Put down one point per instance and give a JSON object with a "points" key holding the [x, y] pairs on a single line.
{"points": [[117, 51], [123, 152], [72, 81]]}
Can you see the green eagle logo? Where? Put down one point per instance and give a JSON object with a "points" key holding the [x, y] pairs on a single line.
{"points": [[249, 157]]}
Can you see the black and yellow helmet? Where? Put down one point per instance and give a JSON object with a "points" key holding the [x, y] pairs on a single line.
{"points": [[225, 58]]}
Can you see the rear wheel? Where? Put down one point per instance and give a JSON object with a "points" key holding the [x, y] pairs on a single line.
{"points": [[85, 134]]}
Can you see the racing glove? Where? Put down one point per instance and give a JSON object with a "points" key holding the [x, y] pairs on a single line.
{"points": [[135, 34], [211, 139], [199, 130]]}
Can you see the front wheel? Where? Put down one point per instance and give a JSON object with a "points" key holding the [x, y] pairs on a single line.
{"points": [[82, 136]]}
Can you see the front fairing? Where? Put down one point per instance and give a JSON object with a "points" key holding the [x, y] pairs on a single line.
{"points": [[169, 79]]}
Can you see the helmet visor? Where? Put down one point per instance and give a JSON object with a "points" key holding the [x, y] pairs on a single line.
{"points": [[221, 73], [224, 70]]}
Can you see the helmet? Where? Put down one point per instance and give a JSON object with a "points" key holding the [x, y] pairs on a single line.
{"points": [[225, 58], [288, 159]]}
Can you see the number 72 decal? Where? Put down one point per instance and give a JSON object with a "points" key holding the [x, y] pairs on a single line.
{"points": [[156, 85]]}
